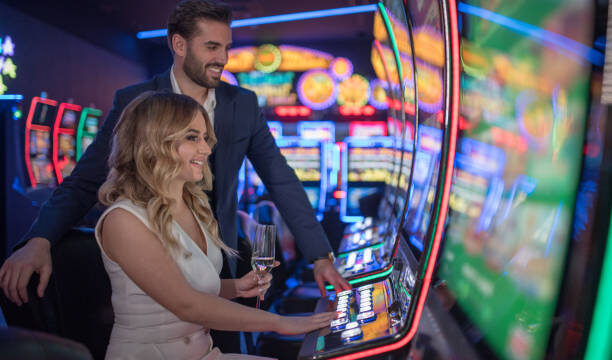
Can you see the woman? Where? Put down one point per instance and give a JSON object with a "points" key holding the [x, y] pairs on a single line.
{"points": [[160, 243]]}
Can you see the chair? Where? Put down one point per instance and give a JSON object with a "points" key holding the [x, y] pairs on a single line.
{"points": [[77, 302]]}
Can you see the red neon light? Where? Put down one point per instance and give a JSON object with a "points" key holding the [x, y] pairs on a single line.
{"points": [[367, 110], [292, 111], [445, 196], [30, 127], [57, 166], [339, 194]]}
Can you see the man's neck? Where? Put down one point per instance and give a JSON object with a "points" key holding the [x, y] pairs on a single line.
{"points": [[188, 87]]}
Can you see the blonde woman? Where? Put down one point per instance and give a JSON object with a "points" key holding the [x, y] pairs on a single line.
{"points": [[160, 243]]}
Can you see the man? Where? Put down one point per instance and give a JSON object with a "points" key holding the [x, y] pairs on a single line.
{"points": [[199, 37]]}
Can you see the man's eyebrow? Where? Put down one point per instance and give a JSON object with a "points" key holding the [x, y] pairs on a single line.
{"points": [[210, 42]]}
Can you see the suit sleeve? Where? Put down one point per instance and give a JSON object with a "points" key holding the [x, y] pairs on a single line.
{"points": [[285, 188], [77, 194]]}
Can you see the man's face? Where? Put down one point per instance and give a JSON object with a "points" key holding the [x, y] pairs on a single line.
{"points": [[206, 53]]}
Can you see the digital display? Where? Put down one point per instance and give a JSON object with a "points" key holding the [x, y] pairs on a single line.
{"points": [[40, 155], [524, 108], [367, 166]]}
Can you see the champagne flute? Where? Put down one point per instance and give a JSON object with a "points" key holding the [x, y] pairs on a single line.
{"points": [[262, 258]]}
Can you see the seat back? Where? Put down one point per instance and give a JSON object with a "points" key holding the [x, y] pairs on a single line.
{"points": [[77, 302]]}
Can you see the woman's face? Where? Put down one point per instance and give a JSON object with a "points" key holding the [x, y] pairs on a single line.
{"points": [[193, 149]]}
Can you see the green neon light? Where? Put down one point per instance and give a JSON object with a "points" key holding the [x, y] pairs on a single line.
{"points": [[600, 335], [373, 247], [387, 21], [79, 137], [363, 279]]}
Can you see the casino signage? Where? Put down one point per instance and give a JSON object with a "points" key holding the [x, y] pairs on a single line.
{"points": [[8, 69]]}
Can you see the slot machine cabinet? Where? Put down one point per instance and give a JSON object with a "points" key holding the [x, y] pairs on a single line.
{"points": [[64, 153], [38, 151], [89, 124]]}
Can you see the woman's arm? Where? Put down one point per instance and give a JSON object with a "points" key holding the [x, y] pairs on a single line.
{"points": [[138, 251]]}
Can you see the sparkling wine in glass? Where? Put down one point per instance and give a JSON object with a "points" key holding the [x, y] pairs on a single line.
{"points": [[262, 258]]}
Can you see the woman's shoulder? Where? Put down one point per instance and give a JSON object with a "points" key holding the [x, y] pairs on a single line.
{"points": [[123, 212]]}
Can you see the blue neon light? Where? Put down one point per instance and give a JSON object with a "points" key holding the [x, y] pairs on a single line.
{"points": [[11, 97], [152, 34], [277, 19], [544, 36]]}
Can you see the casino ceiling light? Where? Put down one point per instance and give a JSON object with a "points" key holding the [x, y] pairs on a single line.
{"points": [[277, 19]]}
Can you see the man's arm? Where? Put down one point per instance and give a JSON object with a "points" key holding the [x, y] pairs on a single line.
{"points": [[68, 204], [290, 198]]}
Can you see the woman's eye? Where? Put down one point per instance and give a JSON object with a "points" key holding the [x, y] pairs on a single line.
{"points": [[192, 138]]}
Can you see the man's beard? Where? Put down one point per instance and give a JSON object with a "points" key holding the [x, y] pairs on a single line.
{"points": [[197, 72]]}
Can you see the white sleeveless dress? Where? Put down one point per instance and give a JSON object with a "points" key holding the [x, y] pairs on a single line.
{"points": [[144, 329]]}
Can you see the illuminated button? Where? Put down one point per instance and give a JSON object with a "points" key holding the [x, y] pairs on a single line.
{"points": [[343, 308], [355, 238], [351, 335], [366, 317], [340, 314], [350, 262], [352, 325], [365, 308], [342, 304], [338, 324], [368, 234], [365, 298], [345, 293], [367, 256], [366, 287], [362, 242], [358, 267]]}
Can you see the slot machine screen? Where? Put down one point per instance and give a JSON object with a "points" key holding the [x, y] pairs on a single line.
{"points": [[306, 157], [524, 105], [367, 168], [40, 147], [318, 130], [367, 128], [66, 149]]}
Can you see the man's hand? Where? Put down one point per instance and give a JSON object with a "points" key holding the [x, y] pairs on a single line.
{"points": [[324, 271], [16, 271]]}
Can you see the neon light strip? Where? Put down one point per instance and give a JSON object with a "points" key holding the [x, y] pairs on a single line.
{"points": [[56, 130], [455, 71], [373, 247], [537, 33], [11, 97], [389, 27], [599, 346], [79, 138], [30, 127], [366, 278], [317, 14]]}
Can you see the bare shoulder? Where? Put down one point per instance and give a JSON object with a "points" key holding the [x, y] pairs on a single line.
{"points": [[122, 230]]}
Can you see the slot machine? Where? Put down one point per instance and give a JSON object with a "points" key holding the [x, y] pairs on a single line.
{"points": [[380, 316], [89, 123], [308, 159], [38, 151], [64, 153], [524, 269]]}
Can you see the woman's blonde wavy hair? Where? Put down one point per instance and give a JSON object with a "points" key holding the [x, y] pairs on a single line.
{"points": [[144, 160]]}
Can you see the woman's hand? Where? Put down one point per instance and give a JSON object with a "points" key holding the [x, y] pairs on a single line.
{"points": [[292, 325], [251, 285]]}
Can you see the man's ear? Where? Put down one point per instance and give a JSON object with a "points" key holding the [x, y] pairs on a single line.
{"points": [[179, 45]]}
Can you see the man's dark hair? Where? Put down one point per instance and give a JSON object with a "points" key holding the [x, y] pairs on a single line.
{"points": [[184, 18]]}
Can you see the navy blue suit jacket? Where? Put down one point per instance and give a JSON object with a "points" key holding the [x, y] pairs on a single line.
{"points": [[241, 131]]}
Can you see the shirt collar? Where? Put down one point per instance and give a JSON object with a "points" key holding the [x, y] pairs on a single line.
{"points": [[211, 99]]}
